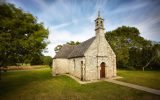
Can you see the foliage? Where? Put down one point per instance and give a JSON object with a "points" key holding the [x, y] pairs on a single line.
{"points": [[122, 40], [73, 43], [47, 60], [22, 38], [145, 57], [36, 60], [42, 60], [58, 47]]}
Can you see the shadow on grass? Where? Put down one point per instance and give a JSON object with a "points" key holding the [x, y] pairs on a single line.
{"points": [[12, 81]]}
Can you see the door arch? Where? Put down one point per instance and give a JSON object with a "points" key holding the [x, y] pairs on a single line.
{"points": [[102, 71]]}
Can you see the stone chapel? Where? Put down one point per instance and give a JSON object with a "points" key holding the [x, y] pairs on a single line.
{"points": [[90, 60]]}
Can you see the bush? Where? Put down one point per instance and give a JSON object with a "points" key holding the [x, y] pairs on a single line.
{"points": [[46, 60]]}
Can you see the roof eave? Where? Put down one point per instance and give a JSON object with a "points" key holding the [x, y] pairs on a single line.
{"points": [[75, 57]]}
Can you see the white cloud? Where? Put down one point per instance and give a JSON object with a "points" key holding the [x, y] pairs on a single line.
{"points": [[56, 10], [148, 23], [61, 36], [61, 25], [148, 30]]}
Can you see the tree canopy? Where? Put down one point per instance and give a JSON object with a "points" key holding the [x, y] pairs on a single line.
{"points": [[132, 50], [21, 37]]}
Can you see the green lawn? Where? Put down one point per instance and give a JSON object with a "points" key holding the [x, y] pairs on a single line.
{"points": [[144, 78], [39, 84]]}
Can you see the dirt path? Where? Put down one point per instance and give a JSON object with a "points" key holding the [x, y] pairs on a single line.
{"points": [[150, 90]]}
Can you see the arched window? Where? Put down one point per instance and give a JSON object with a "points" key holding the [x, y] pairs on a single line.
{"points": [[97, 23], [74, 64], [101, 23], [81, 63]]}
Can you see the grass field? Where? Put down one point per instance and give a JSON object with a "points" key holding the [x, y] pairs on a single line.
{"points": [[145, 78], [39, 84]]}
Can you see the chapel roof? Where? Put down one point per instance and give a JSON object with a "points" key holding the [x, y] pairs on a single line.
{"points": [[64, 51], [70, 51]]}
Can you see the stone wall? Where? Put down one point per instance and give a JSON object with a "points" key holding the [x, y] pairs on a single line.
{"points": [[98, 52], [60, 66], [91, 68], [76, 65]]}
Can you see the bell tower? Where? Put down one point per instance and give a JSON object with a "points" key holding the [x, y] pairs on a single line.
{"points": [[99, 25]]}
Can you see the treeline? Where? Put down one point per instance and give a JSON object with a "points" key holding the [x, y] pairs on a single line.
{"points": [[42, 60], [132, 50]]}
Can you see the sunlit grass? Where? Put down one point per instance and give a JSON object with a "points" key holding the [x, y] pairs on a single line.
{"points": [[39, 84], [144, 78]]}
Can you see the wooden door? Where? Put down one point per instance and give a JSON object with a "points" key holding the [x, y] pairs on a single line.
{"points": [[102, 71]]}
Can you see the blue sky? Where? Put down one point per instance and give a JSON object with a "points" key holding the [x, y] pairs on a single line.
{"points": [[69, 20]]}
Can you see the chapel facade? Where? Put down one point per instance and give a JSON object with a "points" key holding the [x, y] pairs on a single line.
{"points": [[90, 60]]}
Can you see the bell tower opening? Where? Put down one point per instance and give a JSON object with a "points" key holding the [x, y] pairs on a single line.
{"points": [[99, 24]]}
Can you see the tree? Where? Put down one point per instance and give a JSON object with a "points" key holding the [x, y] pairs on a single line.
{"points": [[47, 60], [73, 43], [21, 37], [137, 58], [155, 57], [148, 57], [57, 48], [122, 39]]}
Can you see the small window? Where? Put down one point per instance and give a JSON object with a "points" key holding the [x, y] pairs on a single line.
{"points": [[101, 22], [81, 63], [97, 23], [74, 64]]}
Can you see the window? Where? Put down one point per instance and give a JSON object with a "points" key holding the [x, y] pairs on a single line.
{"points": [[74, 64], [81, 63], [101, 23]]}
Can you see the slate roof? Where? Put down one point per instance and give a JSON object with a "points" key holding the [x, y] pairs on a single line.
{"points": [[64, 51], [70, 51]]}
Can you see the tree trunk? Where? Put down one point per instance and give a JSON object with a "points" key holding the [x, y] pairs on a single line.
{"points": [[147, 64], [1, 72]]}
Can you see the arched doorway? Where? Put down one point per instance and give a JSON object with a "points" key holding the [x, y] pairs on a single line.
{"points": [[102, 71]]}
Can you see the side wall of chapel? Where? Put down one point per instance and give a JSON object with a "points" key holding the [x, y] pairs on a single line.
{"points": [[76, 66], [60, 66]]}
